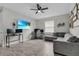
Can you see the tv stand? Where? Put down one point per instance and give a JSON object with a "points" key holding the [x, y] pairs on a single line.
{"points": [[11, 34]]}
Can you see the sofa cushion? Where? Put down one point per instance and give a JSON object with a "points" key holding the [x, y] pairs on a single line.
{"points": [[77, 40], [59, 34], [73, 39]]}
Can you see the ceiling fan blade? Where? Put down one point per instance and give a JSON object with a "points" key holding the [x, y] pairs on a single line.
{"points": [[42, 11], [38, 6], [44, 8], [36, 12], [33, 9]]}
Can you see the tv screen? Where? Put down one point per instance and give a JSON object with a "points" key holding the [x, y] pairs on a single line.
{"points": [[22, 24]]}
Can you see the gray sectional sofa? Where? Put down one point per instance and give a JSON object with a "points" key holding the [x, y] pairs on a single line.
{"points": [[66, 48]]}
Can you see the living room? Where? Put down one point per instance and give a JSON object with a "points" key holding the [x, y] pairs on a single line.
{"points": [[50, 20]]}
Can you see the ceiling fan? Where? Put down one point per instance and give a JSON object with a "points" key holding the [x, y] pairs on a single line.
{"points": [[39, 9]]}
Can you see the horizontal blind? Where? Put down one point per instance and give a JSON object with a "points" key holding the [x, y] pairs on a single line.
{"points": [[49, 26]]}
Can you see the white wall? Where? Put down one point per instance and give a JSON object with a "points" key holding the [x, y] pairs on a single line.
{"points": [[1, 28], [57, 20], [9, 17], [61, 19]]}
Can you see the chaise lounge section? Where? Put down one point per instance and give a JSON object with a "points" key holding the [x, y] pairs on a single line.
{"points": [[66, 48]]}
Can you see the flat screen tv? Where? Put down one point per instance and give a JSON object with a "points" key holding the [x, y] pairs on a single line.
{"points": [[22, 24]]}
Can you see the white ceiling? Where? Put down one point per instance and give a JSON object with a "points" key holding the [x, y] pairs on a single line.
{"points": [[54, 9]]}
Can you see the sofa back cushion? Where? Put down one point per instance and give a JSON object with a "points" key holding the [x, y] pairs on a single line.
{"points": [[73, 39], [59, 34]]}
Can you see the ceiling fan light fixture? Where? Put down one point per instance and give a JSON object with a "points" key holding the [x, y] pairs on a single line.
{"points": [[39, 9]]}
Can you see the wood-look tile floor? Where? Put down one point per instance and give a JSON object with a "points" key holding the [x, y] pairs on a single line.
{"points": [[29, 48]]}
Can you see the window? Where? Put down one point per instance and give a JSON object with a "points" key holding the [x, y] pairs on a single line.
{"points": [[49, 26]]}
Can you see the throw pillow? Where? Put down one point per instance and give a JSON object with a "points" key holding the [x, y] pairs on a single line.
{"points": [[67, 36]]}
